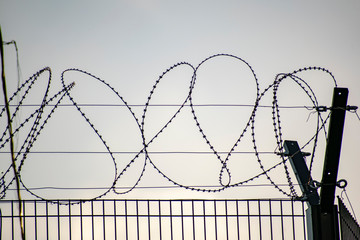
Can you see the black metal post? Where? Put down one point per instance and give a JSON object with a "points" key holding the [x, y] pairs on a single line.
{"points": [[310, 194], [328, 211], [301, 171], [322, 215], [333, 147]]}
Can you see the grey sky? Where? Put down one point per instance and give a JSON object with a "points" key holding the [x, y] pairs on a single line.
{"points": [[130, 43]]}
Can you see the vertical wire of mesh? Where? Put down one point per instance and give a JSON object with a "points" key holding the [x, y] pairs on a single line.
{"points": [[303, 218], [282, 219], [182, 219], [271, 221], [70, 219], [215, 220], [137, 220], [160, 219], [204, 211], [58, 219], [35, 220], [293, 219], [81, 220], [248, 218], [47, 218], [24, 218], [104, 219], [237, 220], [259, 211], [115, 226], [171, 220], [126, 221], [226, 220], [92, 221], [149, 219], [193, 218], [12, 220]]}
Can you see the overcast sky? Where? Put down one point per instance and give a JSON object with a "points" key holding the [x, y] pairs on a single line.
{"points": [[129, 44]]}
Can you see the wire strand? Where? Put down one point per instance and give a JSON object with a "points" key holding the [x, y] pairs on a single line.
{"points": [[39, 118]]}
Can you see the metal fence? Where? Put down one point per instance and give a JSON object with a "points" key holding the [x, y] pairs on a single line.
{"points": [[350, 229], [155, 219]]}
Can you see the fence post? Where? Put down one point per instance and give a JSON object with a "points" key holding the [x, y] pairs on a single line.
{"points": [[328, 211], [297, 161], [301, 171], [322, 216]]}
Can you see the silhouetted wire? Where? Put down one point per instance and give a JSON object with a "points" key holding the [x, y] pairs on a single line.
{"points": [[357, 115], [164, 105], [152, 152], [140, 187], [223, 161], [277, 124], [276, 115], [34, 132], [20, 152], [40, 121]]}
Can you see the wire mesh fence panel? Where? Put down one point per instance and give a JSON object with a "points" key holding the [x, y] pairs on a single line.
{"points": [[349, 228], [155, 219]]}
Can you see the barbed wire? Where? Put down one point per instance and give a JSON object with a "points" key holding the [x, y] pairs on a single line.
{"points": [[38, 120]]}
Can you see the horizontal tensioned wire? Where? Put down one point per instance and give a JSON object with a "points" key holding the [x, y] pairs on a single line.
{"points": [[149, 152], [164, 105], [144, 187]]}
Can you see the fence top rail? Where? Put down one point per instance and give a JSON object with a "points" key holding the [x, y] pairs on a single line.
{"points": [[154, 200]]}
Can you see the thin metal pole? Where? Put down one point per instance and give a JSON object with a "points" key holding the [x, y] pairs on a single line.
{"points": [[237, 219], [216, 232], [282, 219], [171, 220], [58, 217], [182, 219], [47, 220], [126, 221], [35, 214], [271, 222], [69, 219], [24, 219], [303, 213], [160, 219], [115, 219], [149, 218], [204, 210], [226, 219], [137, 220], [13, 161], [81, 220], [259, 209], [12, 219], [92, 220], [193, 217], [248, 214], [104, 220], [293, 218]]}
